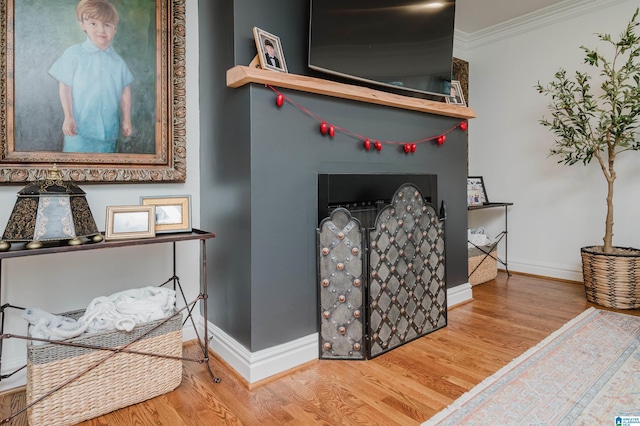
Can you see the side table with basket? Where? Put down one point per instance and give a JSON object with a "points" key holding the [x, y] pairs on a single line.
{"points": [[91, 375]]}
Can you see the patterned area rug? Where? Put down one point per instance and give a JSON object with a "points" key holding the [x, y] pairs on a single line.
{"points": [[586, 373]]}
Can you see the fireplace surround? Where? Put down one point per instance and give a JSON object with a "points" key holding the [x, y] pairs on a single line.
{"points": [[273, 163], [259, 166]]}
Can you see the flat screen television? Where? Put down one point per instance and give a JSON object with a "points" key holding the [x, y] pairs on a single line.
{"points": [[400, 44]]}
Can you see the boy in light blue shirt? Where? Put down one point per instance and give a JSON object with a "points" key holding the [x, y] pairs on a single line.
{"points": [[94, 83]]}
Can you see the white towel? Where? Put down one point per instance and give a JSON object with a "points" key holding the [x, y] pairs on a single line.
{"points": [[123, 310], [53, 327], [120, 311]]}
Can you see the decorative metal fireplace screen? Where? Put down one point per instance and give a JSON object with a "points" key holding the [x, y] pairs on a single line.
{"points": [[385, 287]]}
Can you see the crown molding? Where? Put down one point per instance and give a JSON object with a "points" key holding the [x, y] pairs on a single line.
{"points": [[531, 21]]}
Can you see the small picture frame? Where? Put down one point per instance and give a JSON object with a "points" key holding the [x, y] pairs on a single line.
{"points": [[127, 222], [457, 97], [173, 212], [476, 192], [270, 55]]}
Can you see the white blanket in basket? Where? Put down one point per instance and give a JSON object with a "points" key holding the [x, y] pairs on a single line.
{"points": [[120, 311], [477, 237]]}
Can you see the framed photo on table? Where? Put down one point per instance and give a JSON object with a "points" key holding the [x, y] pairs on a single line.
{"points": [[126, 222], [270, 54], [173, 213], [476, 192], [36, 131]]}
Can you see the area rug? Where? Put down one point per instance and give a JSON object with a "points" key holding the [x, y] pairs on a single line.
{"points": [[586, 373]]}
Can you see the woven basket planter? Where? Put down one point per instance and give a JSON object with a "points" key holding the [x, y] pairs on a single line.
{"points": [[612, 280], [116, 381]]}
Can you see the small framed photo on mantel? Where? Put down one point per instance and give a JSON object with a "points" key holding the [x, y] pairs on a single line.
{"points": [[270, 55], [173, 212], [457, 97]]}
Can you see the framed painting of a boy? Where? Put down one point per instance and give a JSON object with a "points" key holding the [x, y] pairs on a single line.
{"points": [[94, 86]]}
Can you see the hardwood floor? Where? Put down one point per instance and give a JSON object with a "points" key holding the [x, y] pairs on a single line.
{"points": [[404, 387]]}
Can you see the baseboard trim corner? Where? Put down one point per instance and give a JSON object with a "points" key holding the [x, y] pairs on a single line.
{"points": [[254, 367], [257, 366], [459, 294]]}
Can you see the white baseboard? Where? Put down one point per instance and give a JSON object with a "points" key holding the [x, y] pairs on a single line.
{"points": [[551, 270], [459, 294], [256, 366], [16, 380]]}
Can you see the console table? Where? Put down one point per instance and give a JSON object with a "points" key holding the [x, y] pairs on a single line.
{"points": [[504, 234], [195, 234]]}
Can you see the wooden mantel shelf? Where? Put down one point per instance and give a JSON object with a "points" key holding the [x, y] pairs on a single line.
{"points": [[240, 75]]}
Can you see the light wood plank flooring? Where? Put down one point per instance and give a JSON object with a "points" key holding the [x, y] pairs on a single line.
{"points": [[403, 387]]}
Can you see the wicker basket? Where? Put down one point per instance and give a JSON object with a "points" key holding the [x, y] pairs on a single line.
{"points": [[121, 380], [612, 280], [482, 268]]}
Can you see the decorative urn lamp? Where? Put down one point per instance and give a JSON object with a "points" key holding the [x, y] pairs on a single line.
{"points": [[50, 210]]}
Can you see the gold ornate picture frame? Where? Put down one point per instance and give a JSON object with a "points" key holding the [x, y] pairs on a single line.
{"points": [[173, 213], [150, 38], [127, 222]]}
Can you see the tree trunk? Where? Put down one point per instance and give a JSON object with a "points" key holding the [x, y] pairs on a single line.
{"points": [[608, 230]]}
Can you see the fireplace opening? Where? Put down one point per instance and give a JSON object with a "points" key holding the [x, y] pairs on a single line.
{"points": [[364, 195], [381, 263]]}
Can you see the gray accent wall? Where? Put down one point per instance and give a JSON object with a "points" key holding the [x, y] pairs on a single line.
{"points": [[259, 166]]}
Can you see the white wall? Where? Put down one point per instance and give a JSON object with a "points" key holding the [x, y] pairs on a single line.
{"points": [[63, 282], [557, 209]]}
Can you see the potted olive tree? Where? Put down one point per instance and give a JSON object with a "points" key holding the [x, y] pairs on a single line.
{"points": [[599, 123]]}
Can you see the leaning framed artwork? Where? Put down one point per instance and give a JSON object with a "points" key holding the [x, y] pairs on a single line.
{"points": [[173, 213], [476, 192], [126, 222], [270, 54], [122, 123], [457, 97]]}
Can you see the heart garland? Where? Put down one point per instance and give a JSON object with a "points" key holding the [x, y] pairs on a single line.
{"points": [[327, 129]]}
